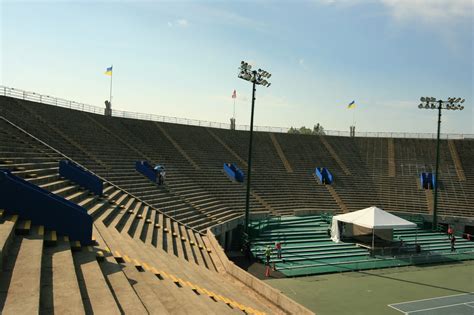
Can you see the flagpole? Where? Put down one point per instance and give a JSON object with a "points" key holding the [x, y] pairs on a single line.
{"points": [[111, 74], [233, 116]]}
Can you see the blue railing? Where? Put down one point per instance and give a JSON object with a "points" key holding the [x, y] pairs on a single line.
{"points": [[324, 175], [234, 172], [42, 207], [79, 175], [428, 180], [146, 169]]}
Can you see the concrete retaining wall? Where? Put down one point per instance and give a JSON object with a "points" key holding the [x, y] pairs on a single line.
{"points": [[227, 226], [304, 212], [260, 287]]}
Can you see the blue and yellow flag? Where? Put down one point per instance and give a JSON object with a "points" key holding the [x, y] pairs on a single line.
{"points": [[351, 105], [108, 71]]}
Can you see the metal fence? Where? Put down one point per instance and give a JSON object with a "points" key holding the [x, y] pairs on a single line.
{"points": [[377, 262], [50, 100]]}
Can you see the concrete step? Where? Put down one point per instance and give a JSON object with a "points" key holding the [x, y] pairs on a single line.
{"points": [[23, 295], [170, 295], [60, 291], [7, 234], [96, 295], [66, 190], [133, 297], [44, 179]]}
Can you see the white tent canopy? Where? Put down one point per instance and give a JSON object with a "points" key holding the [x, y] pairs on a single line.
{"points": [[372, 218]]}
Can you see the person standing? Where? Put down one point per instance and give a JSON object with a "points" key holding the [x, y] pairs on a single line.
{"points": [[268, 253], [278, 248], [163, 176], [157, 170], [453, 241], [450, 232]]}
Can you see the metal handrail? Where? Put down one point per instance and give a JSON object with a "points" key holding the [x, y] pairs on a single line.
{"points": [[377, 259], [50, 100], [103, 179]]}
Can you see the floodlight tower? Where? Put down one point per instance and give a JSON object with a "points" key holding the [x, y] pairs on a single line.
{"points": [[452, 103], [257, 77]]}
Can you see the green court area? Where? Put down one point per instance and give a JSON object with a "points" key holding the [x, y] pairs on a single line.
{"points": [[374, 291], [307, 249]]}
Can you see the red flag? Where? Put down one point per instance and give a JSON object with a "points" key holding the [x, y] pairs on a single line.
{"points": [[234, 95]]}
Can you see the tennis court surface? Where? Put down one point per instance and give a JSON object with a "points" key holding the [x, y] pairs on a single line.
{"points": [[459, 304]]}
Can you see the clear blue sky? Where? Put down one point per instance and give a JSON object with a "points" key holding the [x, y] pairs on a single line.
{"points": [[180, 58]]}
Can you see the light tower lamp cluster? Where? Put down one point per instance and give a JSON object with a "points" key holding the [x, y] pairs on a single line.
{"points": [[452, 103], [256, 76]]}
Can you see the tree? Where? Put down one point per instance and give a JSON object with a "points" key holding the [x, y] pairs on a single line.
{"points": [[317, 130], [293, 130], [305, 131]]}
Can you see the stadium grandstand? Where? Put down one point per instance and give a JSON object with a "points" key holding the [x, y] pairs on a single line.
{"points": [[237, 157], [162, 248]]}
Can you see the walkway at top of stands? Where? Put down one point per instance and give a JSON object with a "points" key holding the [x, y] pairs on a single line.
{"points": [[50, 100]]}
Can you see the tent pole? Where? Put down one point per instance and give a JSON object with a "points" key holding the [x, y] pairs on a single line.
{"points": [[373, 242]]}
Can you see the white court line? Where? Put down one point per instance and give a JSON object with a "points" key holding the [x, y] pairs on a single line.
{"points": [[469, 304], [405, 313], [434, 308], [435, 298]]}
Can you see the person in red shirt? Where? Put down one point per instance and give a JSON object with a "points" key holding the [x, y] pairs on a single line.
{"points": [[450, 232], [278, 248]]}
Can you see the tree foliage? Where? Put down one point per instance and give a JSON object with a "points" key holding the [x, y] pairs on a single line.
{"points": [[317, 130]]}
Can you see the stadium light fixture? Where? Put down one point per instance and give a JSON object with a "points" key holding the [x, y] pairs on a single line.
{"points": [[256, 77], [432, 103]]}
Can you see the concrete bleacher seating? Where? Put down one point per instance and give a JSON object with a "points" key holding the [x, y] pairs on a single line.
{"points": [[111, 151], [144, 261], [367, 171]]}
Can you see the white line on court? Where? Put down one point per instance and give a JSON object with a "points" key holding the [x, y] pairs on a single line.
{"points": [[405, 313], [469, 304], [435, 298], [435, 308]]}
